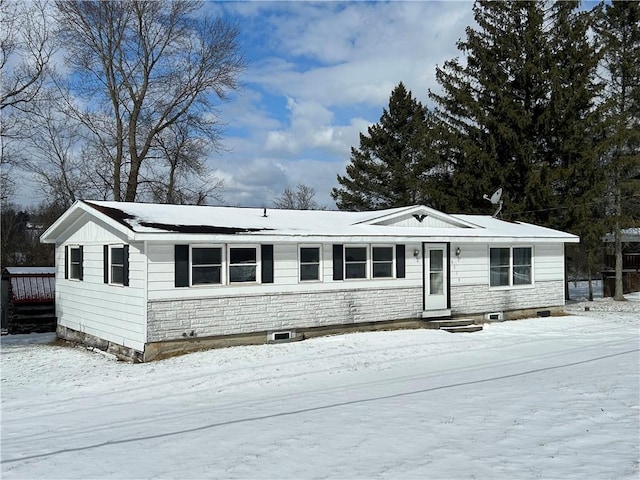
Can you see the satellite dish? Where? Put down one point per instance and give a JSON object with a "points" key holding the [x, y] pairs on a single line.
{"points": [[495, 199]]}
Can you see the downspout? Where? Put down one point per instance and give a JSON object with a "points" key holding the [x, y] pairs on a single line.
{"points": [[145, 296]]}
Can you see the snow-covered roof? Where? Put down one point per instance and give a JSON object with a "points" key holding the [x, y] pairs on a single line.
{"points": [[145, 221], [628, 235], [32, 288], [30, 270]]}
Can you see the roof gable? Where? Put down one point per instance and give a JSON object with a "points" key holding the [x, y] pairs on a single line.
{"points": [[419, 216], [79, 212]]}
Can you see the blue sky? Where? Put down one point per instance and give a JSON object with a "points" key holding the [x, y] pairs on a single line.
{"points": [[318, 75]]}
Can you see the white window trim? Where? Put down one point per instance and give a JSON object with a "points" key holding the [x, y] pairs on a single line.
{"points": [[320, 262], [511, 286], [223, 266], [69, 269], [110, 264], [367, 272], [393, 261], [258, 249]]}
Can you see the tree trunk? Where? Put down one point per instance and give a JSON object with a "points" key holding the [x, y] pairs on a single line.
{"points": [[618, 295], [132, 183]]}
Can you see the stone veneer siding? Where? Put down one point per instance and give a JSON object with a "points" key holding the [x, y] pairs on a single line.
{"points": [[476, 299], [177, 319]]}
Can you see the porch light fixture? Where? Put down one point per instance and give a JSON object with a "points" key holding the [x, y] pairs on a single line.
{"points": [[416, 252], [458, 251]]}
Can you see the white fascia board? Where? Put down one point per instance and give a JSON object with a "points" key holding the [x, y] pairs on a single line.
{"points": [[314, 238], [46, 236]]}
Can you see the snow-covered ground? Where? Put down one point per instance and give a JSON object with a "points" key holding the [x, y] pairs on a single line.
{"points": [[549, 398]]}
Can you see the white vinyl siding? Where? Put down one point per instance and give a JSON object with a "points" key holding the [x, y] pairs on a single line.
{"points": [[548, 262], [471, 266], [96, 308]]}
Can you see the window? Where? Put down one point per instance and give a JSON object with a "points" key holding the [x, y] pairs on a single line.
{"points": [[500, 266], [510, 266], [75, 263], [206, 266], [355, 262], [382, 262], [117, 265], [309, 264], [522, 266], [436, 272], [243, 264]]}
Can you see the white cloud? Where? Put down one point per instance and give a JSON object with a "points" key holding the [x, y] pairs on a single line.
{"points": [[328, 63], [311, 128], [360, 51], [258, 181]]}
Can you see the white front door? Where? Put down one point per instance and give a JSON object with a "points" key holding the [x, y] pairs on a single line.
{"points": [[436, 281]]}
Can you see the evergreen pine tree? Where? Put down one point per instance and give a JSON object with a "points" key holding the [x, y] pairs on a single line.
{"points": [[618, 31], [572, 130], [391, 166], [491, 109]]}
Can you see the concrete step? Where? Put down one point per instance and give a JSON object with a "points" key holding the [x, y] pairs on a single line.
{"points": [[458, 325], [463, 329], [450, 322]]}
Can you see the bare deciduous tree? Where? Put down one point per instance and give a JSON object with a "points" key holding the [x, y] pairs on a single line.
{"points": [[26, 48], [52, 152], [186, 179], [143, 67], [300, 199]]}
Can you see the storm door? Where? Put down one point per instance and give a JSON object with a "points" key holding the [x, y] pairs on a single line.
{"points": [[436, 279]]}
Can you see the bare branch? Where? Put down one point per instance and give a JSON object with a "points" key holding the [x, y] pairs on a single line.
{"points": [[148, 65]]}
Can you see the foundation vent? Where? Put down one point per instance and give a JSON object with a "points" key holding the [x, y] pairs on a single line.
{"points": [[494, 316], [282, 336]]}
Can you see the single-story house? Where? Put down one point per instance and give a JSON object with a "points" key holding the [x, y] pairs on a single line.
{"points": [[27, 300], [148, 280]]}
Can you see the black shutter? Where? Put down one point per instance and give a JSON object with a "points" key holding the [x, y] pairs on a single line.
{"points": [[125, 266], [181, 265], [66, 262], [81, 248], [105, 262], [337, 262], [266, 258], [400, 261]]}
